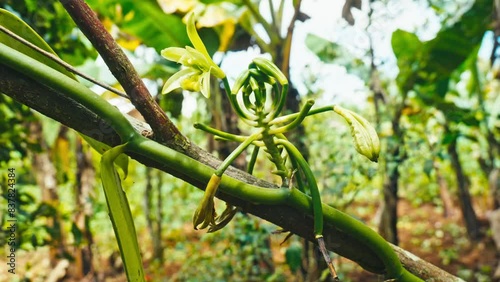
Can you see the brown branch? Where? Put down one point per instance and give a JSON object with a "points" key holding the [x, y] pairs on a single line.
{"points": [[287, 45], [164, 129]]}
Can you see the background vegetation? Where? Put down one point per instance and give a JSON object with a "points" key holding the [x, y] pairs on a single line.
{"points": [[430, 87]]}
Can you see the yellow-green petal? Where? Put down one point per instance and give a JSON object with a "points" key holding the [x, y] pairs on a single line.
{"points": [[216, 71], [195, 59], [205, 84], [193, 35], [173, 53], [175, 80], [192, 82]]}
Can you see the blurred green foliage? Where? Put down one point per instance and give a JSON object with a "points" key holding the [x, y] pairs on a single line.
{"points": [[241, 251]]}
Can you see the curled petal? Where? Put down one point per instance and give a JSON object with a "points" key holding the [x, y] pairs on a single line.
{"points": [[205, 84], [193, 35], [175, 80], [223, 219]]}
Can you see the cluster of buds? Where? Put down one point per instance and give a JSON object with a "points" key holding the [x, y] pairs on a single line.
{"points": [[259, 93]]}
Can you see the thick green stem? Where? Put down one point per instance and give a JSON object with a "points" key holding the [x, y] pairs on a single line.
{"points": [[288, 118], [297, 121], [360, 231], [56, 80], [284, 196], [234, 154], [185, 165], [311, 182], [121, 216]]}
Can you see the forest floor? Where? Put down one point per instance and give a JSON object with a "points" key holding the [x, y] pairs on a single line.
{"points": [[442, 240], [423, 230]]}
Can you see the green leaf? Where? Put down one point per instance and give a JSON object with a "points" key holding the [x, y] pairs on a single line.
{"points": [[434, 61], [428, 167], [146, 20], [326, 50], [120, 162], [408, 51], [121, 216], [456, 114], [454, 44], [20, 28]]}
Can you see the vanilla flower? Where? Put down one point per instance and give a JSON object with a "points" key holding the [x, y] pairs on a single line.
{"points": [[198, 65]]}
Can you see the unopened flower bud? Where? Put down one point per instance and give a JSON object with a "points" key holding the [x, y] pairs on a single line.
{"points": [[365, 137]]}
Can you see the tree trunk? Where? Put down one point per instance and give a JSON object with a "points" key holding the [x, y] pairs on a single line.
{"points": [[153, 202], [389, 217], [468, 213], [394, 157], [444, 192], [45, 175], [494, 186], [85, 176]]}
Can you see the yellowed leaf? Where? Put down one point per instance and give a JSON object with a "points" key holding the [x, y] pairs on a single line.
{"points": [[129, 43], [226, 35]]}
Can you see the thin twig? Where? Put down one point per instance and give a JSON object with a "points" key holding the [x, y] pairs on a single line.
{"points": [[273, 35], [273, 16], [62, 63]]}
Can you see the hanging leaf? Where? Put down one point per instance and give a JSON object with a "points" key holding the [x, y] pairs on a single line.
{"points": [[408, 51], [121, 216], [431, 63]]}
